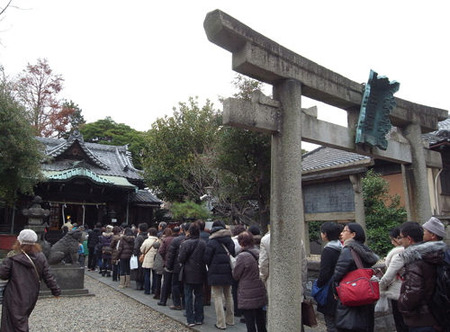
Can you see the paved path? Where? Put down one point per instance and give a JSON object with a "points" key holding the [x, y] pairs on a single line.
{"points": [[210, 316]]}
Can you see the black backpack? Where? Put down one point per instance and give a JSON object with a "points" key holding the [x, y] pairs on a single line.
{"points": [[440, 305]]}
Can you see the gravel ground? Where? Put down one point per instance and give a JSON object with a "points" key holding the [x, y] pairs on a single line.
{"points": [[108, 310]]}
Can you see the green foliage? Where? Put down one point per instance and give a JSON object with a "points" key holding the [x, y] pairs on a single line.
{"points": [[383, 212], [243, 160], [314, 230], [173, 150], [189, 210], [108, 132], [75, 118], [19, 150]]}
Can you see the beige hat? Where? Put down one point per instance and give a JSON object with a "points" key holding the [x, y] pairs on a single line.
{"points": [[27, 236]]}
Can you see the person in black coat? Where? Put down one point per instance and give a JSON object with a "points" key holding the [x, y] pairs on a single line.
{"points": [[92, 242], [173, 265], [329, 232], [355, 318], [138, 274], [194, 274], [219, 272]]}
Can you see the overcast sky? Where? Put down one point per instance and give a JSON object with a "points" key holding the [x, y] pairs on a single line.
{"points": [[135, 60]]}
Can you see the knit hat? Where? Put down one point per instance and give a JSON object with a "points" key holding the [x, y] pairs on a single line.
{"points": [[435, 226], [109, 228], [27, 236]]}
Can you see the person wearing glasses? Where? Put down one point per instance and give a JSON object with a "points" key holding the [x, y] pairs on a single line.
{"points": [[357, 318]]}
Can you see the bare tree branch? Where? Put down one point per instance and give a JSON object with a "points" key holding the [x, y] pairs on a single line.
{"points": [[6, 7]]}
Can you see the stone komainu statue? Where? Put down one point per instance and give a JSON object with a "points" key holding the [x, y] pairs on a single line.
{"points": [[66, 249]]}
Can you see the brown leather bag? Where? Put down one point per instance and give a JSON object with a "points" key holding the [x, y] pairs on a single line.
{"points": [[308, 313], [142, 256]]}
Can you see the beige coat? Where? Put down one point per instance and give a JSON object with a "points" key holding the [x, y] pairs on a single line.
{"points": [[147, 247], [390, 283]]}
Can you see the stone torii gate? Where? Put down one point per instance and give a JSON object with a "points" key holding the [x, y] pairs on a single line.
{"points": [[292, 76]]}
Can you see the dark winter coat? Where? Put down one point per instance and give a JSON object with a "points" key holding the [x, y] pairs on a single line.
{"points": [[104, 241], [172, 262], [138, 243], [138, 274], [126, 246], [22, 290], [328, 260], [419, 282], [359, 318], [191, 257], [164, 248], [93, 238], [251, 293], [115, 253], [216, 257]]}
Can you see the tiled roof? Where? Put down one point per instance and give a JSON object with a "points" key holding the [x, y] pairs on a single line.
{"points": [[325, 158], [103, 159], [144, 197], [440, 135]]}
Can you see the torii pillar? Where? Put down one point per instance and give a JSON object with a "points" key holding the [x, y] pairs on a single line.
{"points": [[292, 76]]}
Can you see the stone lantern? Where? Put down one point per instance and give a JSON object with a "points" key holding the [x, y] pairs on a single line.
{"points": [[36, 215]]}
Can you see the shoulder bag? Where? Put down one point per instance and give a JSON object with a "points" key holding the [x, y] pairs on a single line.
{"points": [[358, 287], [320, 294], [308, 314], [34, 266], [142, 256], [231, 257]]}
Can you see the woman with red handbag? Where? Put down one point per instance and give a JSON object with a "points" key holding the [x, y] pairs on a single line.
{"points": [[354, 318]]}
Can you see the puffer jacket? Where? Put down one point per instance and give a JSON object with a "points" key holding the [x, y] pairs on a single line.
{"points": [[391, 281], [191, 256], [251, 292], [115, 253], [419, 282], [126, 246], [164, 248], [172, 262], [104, 241], [149, 248], [216, 257], [359, 317]]}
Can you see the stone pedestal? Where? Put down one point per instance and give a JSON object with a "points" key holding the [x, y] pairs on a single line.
{"points": [[70, 279]]}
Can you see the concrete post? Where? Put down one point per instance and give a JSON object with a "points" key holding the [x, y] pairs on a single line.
{"points": [[416, 177], [287, 215], [360, 216]]}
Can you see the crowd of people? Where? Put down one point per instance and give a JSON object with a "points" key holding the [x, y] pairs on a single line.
{"points": [[409, 280], [191, 265]]}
